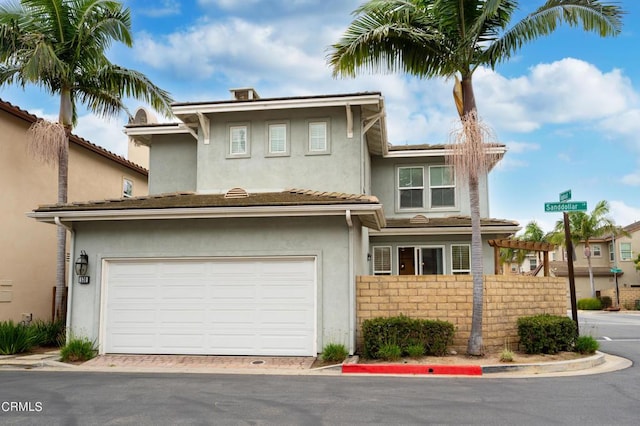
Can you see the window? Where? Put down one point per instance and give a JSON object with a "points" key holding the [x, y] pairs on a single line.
{"points": [[612, 255], [238, 141], [411, 187], [625, 251], [127, 188], [277, 139], [382, 260], [533, 264], [596, 250], [460, 259], [442, 184], [318, 137]]}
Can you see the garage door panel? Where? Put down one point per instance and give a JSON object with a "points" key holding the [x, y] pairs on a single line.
{"points": [[217, 306]]}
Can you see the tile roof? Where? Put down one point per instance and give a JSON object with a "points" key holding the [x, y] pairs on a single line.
{"points": [[292, 197], [31, 118], [287, 98], [433, 147], [449, 221]]}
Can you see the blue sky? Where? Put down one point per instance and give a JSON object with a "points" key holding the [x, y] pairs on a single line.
{"points": [[567, 106]]}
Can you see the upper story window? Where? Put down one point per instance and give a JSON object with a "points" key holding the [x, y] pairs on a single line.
{"points": [[318, 137], [533, 264], [277, 139], [442, 185], [612, 255], [460, 259], [596, 250], [411, 187], [382, 260], [127, 188], [238, 140], [625, 251]]}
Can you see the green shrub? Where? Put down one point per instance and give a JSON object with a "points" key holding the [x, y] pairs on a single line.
{"points": [[15, 338], [78, 349], [590, 304], [547, 334], [390, 352], [606, 302], [586, 345], [434, 336], [415, 351], [334, 352], [48, 333]]}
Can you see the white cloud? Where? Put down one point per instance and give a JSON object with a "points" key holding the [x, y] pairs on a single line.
{"points": [[623, 214], [103, 132], [160, 9], [632, 179], [522, 147]]}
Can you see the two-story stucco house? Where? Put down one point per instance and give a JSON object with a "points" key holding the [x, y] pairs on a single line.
{"points": [[262, 213], [28, 248]]}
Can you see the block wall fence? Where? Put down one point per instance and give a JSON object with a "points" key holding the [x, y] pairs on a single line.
{"points": [[450, 297], [628, 296]]}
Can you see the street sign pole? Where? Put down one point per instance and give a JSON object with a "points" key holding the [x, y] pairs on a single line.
{"points": [[572, 280]]}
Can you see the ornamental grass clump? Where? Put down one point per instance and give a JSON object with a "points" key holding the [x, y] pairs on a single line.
{"points": [[334, 352], [78, 349], [15, 338]]}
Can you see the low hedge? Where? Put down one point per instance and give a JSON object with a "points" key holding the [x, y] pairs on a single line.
{"points": [[433, 335], [547, 334], [589, 304]]}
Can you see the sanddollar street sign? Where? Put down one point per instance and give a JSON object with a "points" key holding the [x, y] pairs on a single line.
{"points": [[571, 206]]}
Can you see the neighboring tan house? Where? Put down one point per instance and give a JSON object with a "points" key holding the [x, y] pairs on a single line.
{"points": [[262, 213], [27, 264], [607, 256]]}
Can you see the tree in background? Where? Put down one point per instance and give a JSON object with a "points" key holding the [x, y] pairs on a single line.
{"points": [[583, 228], [452, 38], [59, 46]]}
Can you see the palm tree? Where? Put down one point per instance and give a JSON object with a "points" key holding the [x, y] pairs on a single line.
{"points": [[584, 227], [452, 38], [59, 46]]}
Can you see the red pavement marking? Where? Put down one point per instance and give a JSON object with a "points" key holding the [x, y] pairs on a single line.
{"points": [[466, 370]]}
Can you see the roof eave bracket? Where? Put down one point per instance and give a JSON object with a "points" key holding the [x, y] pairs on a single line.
{"points": [[205, 126]]}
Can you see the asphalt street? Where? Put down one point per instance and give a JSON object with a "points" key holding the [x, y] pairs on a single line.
{"points": [[79, 398]]}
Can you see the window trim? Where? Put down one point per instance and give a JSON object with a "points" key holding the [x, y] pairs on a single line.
{"points": [[432, 187], [247, 127], [287, 144], [593, 250], [399, 189], [460, 271], [373, 259], [630, 251], [327, 124], [126, 180]]}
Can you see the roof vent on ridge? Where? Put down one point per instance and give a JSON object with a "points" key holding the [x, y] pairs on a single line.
{"points": [[244, 94], [236, 193]]}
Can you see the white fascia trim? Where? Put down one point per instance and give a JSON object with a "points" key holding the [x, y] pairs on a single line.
{"points": [[211, 212], [457, 230], [260, 105], [436, 153], [178, 128]]}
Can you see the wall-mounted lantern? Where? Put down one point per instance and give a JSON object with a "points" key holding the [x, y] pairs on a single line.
{"points": [[82, 265]]}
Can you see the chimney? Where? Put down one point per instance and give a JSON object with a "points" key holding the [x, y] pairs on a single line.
{"points": [[244, 94]]}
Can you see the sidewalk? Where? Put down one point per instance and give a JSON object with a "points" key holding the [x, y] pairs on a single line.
{"points": [[596, 364]]}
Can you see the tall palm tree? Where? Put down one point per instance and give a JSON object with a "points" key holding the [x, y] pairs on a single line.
{"points": [[59, 46], [584, 227], [452, 38]]}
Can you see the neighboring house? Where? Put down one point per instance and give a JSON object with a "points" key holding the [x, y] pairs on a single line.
{"points": [[27, 264], [607, 254], [262, 213]]}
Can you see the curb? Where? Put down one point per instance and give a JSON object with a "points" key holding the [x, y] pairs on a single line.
{"points": [[459, 370], [550, 367]]}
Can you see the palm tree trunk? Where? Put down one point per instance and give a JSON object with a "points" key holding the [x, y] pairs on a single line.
{"points": [[474, 345], [65, 118]]}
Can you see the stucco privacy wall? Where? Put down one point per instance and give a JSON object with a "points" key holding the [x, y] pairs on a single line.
{"points": [[449, 298], [325, 238], [628, 296]]}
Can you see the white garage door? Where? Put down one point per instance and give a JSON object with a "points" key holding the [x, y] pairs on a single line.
{"points": [[258, 306]]}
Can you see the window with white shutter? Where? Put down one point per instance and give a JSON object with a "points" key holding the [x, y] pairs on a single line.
{"points": [[382, 260]]}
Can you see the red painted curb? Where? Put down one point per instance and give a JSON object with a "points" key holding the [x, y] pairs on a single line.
{"points": [[465, 370]]}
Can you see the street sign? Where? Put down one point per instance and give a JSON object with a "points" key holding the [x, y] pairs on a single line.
{"points": [[570, 206], [615, 270], [565, 196]]}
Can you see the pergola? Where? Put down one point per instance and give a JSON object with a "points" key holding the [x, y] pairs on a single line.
{"points": [[521, 245]]}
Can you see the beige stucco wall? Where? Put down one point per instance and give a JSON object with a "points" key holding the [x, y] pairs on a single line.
{"points": [[449, 298], [28, 248], [628, 296]]}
